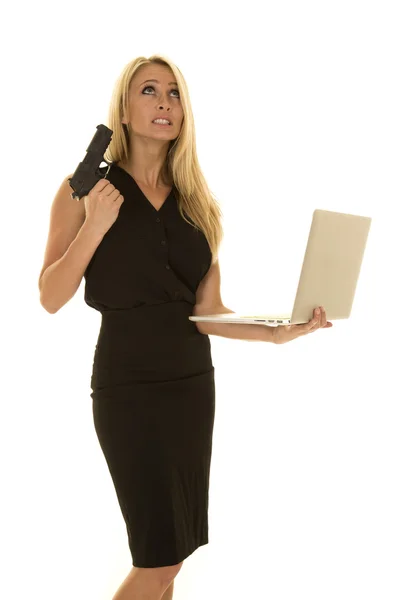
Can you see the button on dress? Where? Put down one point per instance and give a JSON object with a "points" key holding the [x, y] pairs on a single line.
{"points": [[152, 382]]}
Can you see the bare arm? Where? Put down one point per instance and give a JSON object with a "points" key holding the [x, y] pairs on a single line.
{"points": [[209, 302], [237, 331], [61, 280]]}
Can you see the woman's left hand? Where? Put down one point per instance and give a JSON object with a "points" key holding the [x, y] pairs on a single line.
{"points": [[287, 333]]}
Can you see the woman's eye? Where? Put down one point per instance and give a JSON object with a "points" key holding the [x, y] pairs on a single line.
{"points": [[152, 88]]}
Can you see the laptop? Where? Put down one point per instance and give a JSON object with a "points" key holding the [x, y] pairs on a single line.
{"points": [[329, 275]]}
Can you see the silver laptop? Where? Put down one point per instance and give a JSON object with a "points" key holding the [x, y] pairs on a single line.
{"points": [[329, 274]]}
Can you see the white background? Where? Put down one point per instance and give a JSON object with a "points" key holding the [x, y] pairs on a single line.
{"points": [[296, 107]]}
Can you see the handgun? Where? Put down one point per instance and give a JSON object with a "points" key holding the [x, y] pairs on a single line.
{"points": [[87, 173]]}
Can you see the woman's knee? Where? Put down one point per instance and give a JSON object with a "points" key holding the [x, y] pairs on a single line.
{"points": [[169, 573]]}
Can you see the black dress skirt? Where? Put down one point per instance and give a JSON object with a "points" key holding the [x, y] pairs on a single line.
{"points": [[153, 379]]}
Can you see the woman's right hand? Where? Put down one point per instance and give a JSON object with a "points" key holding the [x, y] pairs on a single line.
{"points": [[102, 206]]}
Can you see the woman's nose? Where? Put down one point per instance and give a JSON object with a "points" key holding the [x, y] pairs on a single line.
{"points": [[163, 101]]}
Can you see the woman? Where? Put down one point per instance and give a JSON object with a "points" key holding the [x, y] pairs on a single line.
{"points": [[152, 231]]}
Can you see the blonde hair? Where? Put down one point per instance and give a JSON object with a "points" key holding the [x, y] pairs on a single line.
{"points": [[181, 166]]}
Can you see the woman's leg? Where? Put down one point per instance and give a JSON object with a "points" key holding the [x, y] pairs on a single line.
{"points": [[147, 583], [168, 592]]}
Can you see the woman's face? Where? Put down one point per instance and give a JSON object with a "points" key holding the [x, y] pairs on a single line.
{"points": [[149, 100]]}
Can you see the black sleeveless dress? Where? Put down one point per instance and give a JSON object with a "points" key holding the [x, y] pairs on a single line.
{"points": [[152, 382]]}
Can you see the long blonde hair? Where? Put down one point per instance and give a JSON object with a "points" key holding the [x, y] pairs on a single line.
{"points": [[181, 166]]}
